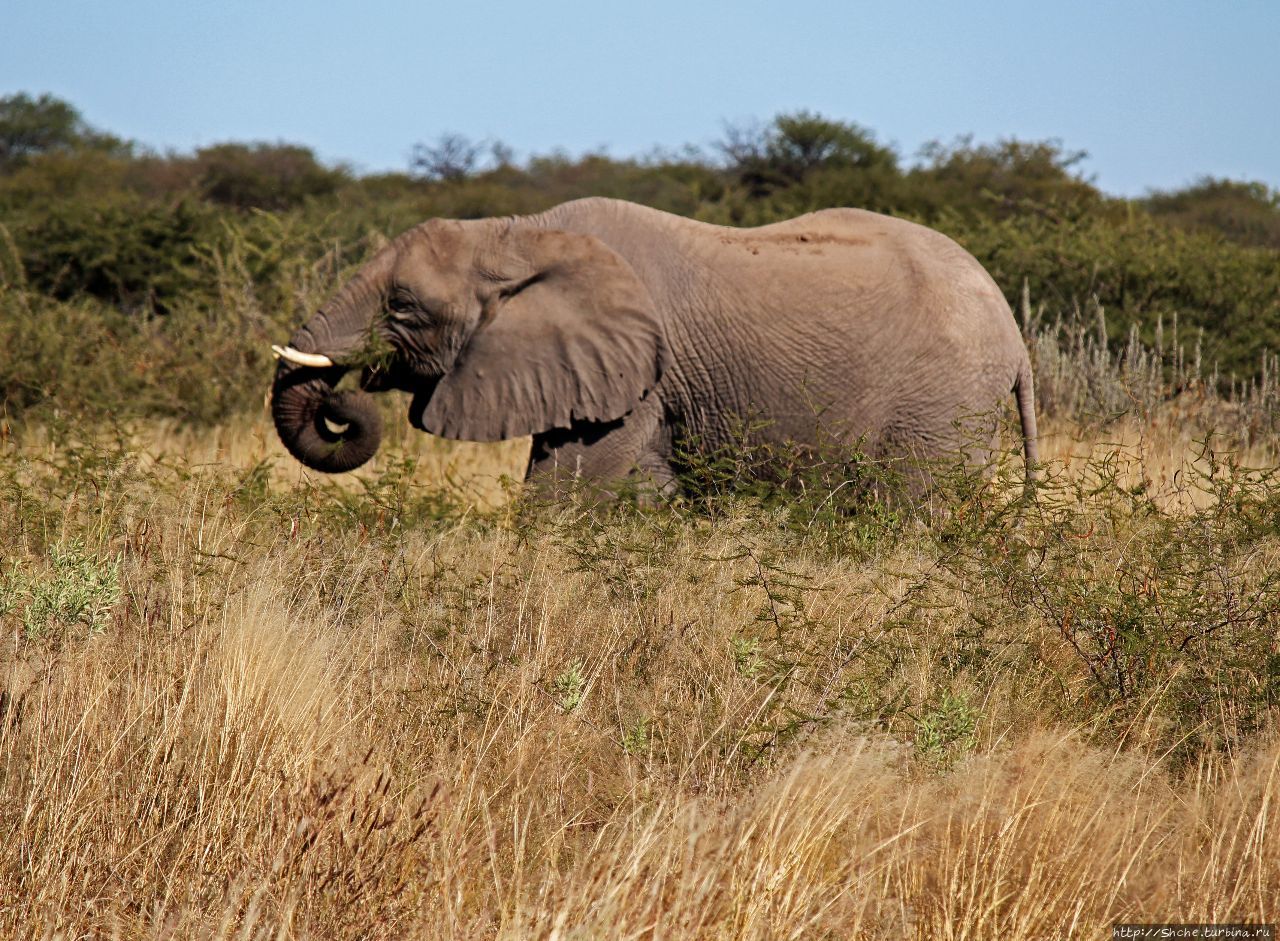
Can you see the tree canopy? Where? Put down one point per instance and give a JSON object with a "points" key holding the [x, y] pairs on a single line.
{"points": [[45, 124]]}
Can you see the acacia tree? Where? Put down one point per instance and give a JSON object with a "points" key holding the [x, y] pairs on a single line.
{"points": [[451, 158], [1002, 179], [33, 126], [789, 150]]}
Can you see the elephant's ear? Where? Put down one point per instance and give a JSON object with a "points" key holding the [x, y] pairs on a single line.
{"points": [[572, 335]]}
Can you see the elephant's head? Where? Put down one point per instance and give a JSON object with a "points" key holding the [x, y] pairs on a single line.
{"points": [[498, 328]]}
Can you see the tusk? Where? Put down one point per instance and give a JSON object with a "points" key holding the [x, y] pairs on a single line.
{"points": [[316, 360]]}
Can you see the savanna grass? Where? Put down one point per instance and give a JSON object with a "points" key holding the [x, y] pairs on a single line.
{"points": [[408, 705]]}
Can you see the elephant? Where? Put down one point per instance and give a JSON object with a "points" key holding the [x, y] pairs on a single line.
{"points": [[614, 334]]}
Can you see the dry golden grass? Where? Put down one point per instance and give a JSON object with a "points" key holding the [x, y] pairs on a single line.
{"points": [[1164, 452], [299, 723], [474, 472]]}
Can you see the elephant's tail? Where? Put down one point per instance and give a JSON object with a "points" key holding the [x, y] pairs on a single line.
{"points": [[1025, 391]]}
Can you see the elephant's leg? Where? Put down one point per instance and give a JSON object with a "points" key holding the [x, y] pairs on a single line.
{"points": [[604, 456]]}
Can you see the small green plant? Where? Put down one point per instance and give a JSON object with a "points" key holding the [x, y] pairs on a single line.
{"points": [[569, 687], [79, 589], [746, 656], [638, 739], [946, 733]]}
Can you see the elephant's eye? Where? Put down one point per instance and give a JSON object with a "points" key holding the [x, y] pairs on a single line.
{"points": [[401, 307]]}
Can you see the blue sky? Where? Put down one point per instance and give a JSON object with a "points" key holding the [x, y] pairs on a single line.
{"points": [[1157, 92]]}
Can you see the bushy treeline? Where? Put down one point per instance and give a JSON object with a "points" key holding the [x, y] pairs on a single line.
{"points": [[118, 262]]}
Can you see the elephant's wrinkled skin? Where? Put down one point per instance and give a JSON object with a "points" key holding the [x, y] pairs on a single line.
{"points": [[612, 332]]}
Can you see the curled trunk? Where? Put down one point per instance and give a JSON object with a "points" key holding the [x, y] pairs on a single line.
{"points": [[325, 429]]}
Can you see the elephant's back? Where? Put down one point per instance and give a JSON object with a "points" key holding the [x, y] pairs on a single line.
{"points": [[867, 252], [868, 278], [850, 262], [887, 324]]}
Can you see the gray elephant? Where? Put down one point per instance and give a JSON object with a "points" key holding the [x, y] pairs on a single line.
{"points": [[615, 335]]}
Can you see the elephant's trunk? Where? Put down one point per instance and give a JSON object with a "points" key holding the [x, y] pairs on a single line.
{"points": [[325, 429]]}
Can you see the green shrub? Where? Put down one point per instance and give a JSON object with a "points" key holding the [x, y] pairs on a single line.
{"points": [[136, 254], [264, 176], [1245, 212], [1141, 272], [78, 589]]}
